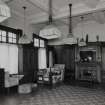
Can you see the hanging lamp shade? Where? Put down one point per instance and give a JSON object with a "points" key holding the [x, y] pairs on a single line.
{"points": [[70, 38], [50, 31], [24, 39], [4, 11]]}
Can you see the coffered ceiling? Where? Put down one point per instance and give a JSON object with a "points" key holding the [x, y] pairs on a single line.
{"points": [[37, 10]]}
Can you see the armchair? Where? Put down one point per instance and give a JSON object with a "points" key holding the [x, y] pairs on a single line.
{"points": [[60, 67], [54, 74]]}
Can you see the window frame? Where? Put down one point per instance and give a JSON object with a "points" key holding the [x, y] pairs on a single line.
{"points": [[7, 30], [40, 39]]}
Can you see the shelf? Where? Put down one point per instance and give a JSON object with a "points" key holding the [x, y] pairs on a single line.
{"points": [[88, 79]]}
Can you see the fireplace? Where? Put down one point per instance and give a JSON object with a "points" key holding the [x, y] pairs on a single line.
{"points": [[87, 71], [88, 63], [88, 75]]}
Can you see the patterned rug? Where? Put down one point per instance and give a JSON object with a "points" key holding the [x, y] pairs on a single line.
{"points": [[61, 95]]}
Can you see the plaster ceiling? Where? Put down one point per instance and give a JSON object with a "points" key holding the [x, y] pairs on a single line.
{"points": [[37, 10]]}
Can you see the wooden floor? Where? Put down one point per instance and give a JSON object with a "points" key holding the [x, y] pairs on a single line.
{"points": [[72, 93]]}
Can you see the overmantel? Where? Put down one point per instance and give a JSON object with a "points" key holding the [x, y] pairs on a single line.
{"points": [[94, 48]]}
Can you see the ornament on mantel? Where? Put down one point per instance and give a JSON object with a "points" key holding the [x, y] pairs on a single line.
{"points": [[87, 37], [97, 37]]}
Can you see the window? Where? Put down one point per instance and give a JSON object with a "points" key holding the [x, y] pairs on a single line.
{"points": [[36, 42], [42, 58], [39, 42], [8, 37], [11, 37], [9, 57], [9, 52], [2, 36], [42, 43]]}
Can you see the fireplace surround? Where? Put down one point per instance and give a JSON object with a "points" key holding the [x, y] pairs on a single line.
{"points": [[88, 62]]}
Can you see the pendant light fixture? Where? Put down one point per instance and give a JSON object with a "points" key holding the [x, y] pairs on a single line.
{"points": [[50, 31], [82, 41], [24, 39], [70, 38], [4, 11]]}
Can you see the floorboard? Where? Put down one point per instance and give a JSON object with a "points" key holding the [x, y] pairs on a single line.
{"points": [[74, 93]]}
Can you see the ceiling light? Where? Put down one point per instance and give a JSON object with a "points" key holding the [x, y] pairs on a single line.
{"points": [[50, 31], [4, 11], [82, 41], [70, 38], [24, 39]]}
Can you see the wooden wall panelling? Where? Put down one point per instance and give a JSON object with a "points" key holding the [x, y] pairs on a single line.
{"points": [[66, 55], [30, 64], [1, 78], [58, 54], [20, 59], [103, 64]]}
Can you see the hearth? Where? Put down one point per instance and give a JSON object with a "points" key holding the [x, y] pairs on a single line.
{"points": [[88, 72]]}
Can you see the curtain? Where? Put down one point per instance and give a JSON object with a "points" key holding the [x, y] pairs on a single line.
{"points": [[9, 58], [42, 58], [50, 59]]}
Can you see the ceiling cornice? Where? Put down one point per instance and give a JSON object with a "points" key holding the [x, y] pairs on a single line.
{"points": [[79, 9], [8, 1], [42, 5]]}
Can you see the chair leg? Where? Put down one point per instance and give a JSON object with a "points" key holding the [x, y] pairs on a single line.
{"points": [[8, 90]]}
